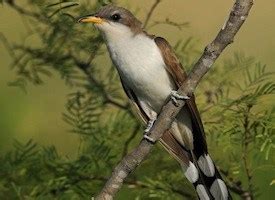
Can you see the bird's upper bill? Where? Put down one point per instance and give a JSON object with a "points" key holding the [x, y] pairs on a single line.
{"points": [[91, 19]]}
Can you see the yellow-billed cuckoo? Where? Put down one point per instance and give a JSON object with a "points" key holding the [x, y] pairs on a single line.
{"points": [[150, 73]]}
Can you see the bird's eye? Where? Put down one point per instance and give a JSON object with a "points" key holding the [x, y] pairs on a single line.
{"points": [[115, 17]]}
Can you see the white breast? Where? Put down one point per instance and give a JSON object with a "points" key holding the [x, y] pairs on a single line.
{"points": [[141, 66]]}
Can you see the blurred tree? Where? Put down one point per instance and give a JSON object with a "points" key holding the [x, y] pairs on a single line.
{"points": [[239, 126]]}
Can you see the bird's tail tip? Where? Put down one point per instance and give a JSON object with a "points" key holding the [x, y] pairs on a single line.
{"points": [[205, 177]]}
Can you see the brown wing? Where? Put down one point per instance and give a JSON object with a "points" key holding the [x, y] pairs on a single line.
{"points": [[135, 102], [173, 65], [175, 69], [167, 140]]}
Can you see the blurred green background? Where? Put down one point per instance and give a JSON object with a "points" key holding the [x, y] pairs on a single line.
{"points": [[37, 113]]}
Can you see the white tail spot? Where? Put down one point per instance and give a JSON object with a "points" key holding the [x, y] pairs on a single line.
{"points": [[202, 192], [219, 190], [192, 173], [206, 165]]}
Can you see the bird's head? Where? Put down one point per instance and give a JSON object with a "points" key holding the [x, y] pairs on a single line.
{"points": [[114, 21]]}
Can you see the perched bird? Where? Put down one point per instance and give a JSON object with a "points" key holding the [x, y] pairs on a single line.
{"points": [[150, 74]]}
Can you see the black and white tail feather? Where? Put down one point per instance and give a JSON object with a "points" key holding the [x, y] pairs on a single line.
{"points": [[209, 184], [192, 152], [200, 171]]}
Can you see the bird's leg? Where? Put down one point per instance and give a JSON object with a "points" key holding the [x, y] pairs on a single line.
{"points": [[175, 97], [147, 130]]}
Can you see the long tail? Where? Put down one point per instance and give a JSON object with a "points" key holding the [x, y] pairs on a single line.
{"points": [[200, 171]]}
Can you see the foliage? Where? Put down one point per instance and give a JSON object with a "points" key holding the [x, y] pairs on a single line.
{"points": [[232, 99]]}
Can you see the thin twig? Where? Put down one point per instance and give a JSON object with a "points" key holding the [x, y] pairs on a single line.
{"points": [[7, 45], [236, 187], [129, 140], [245, 144], [107, 98], [151, 11], [167, 21], [225, 37], [26, 12], [84, 67]]}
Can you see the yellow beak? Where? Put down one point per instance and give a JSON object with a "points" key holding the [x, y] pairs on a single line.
{"points": [[91, 19]]}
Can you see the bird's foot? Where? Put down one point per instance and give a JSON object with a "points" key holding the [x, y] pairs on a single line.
{"points": [[147, 130], [149, 125], [175, 96], [149, 139]]}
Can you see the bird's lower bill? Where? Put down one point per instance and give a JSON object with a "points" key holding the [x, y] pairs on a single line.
{"points": [[91, 19]]}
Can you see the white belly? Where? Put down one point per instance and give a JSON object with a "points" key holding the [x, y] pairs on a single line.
{"points": [[141, 66]]}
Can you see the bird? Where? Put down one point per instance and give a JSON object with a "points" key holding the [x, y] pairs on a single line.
{"points": [[150, 74]]}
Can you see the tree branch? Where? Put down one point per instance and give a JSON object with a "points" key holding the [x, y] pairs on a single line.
{"points": [[225, 37]]}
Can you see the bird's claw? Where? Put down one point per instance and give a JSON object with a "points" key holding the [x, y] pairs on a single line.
{"points": [[147, 130], [149, 125], [175, 96], [149, 139]]}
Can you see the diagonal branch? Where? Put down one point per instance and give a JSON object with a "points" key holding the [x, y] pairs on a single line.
{"points": [[225, 36], [151, 11]]}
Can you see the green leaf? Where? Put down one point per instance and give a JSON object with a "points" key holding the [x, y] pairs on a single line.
{"points": [[58, 3]]}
